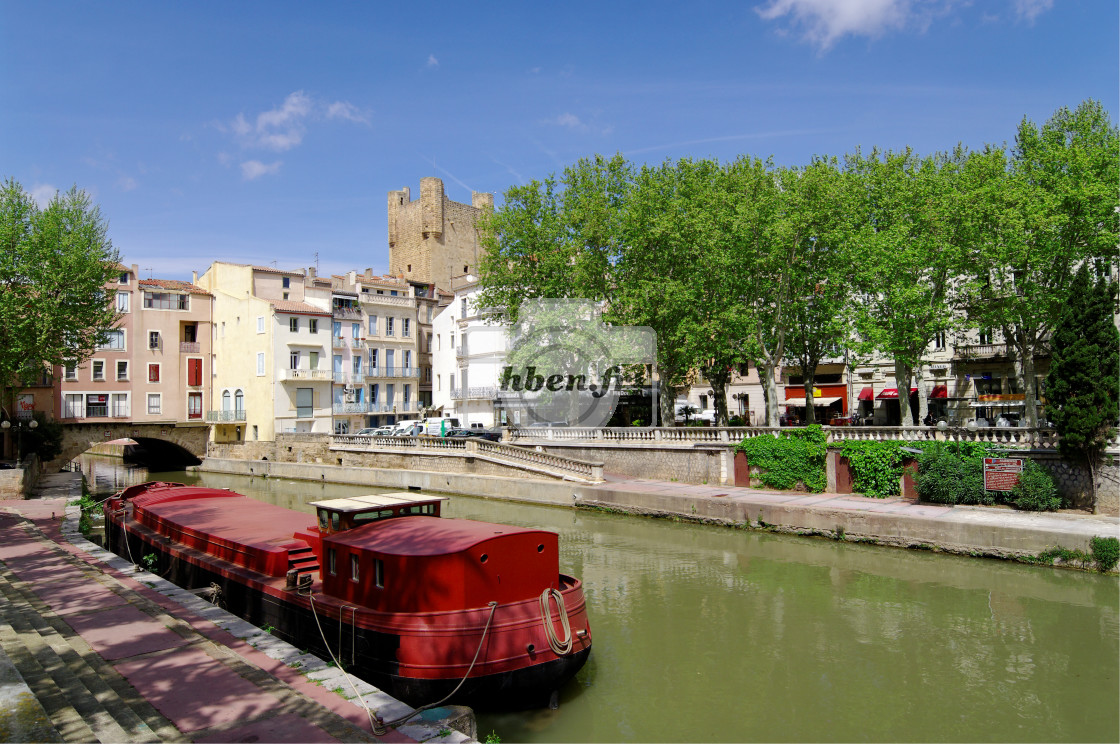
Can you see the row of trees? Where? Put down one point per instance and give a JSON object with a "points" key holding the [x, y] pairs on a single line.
{"points": [[877, 253], [54, 264]]}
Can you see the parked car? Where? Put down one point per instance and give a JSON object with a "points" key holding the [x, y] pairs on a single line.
{"points": [[438, 427], [369, 432], [491, 435], [412, 431], [406, 424], [384, 431]]}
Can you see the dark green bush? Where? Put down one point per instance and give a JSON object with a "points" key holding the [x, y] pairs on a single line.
{"points": [[876, 467], [736, 421], [1106, 552], [1035, 490], [952, 474], [793, 457]]}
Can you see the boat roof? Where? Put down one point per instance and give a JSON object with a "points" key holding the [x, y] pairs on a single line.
{"points": [[376, 501], [228, 516], [425, 535]]}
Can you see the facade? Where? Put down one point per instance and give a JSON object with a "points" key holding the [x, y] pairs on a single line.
{"points": [[432, 239], [467, 359], [154, 367], [271, 341], [376, 362]]}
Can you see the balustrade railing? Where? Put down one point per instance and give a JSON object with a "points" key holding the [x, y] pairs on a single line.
{"points": [[474, 393], [224, 416]]}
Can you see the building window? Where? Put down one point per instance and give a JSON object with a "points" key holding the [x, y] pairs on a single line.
{"points": [[285, 296], [986, 336], [113, 339], [353, 567], [428, 343], [97, 406], [407, 360], [405, 327], [293, 360], [357, 364], [373, 325], [355, 330], [122, 302], [153, 373], [305, 402], [123, 278], [239, 401], [166, 301], [463, 307], [287, 281], [154, 340], [373, 395], [313, 358], [194, 372], [72, 406], [260, 325], [71, 371], [389, 326], [122, 369], [939, 340], [120, 405], [194, 405], [373, 358], [293, 325], [98, 370], [313, 325], [407, 395], [260, 364]]}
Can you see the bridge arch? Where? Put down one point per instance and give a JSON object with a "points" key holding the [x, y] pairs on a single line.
{"points": [[181, 443]]}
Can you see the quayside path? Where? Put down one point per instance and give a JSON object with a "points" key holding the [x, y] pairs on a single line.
{"points": [[91, 652]]}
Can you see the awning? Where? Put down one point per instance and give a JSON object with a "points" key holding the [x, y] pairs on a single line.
{"points": [[867, 393], [800, 402], [892, 393], [939, 391], [997, 404]]}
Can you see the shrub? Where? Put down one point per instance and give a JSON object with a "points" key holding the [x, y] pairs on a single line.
{"points": [[952, 474], [1035, 490], [793, 457], [876, 467], [1106, 552], [736, 421]]}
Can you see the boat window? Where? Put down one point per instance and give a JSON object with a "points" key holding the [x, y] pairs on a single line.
{"points": [[322, 521], [331, 560], [378, 573], [334, 523], [386, 513], [353, 567], [364, 517]]}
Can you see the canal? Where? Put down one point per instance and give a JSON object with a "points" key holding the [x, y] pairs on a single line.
{"points": [[714, 634]]}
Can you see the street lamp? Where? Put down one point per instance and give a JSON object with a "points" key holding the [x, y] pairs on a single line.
{"points": [[20, 426]]}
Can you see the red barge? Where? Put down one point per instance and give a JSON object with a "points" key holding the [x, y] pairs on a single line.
{"points": [[401, 597]]}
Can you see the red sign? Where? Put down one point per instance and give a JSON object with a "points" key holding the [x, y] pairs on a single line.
{"points": [[1002, 473]]}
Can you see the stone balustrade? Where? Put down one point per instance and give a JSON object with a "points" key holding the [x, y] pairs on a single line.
{"points": [[584, 469]]}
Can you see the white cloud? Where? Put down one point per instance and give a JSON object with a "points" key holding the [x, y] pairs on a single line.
{"points": [[252, 169], [1029, 10], [432, 61], [569, 120], [42, 193], [823, 22], [126, 183], [283, 128]]}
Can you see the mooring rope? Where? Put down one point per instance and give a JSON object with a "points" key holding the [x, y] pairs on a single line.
{"points": [[560, 648]]}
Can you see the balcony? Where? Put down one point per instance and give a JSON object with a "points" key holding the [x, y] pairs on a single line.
{"points": [[305, 374], [348, 378], [190, 347], [376, 299], [345, 408], [474, 393], [339, 342], [221, 417], [381, 372], [347, 313], [356, 343], [461, 353]]}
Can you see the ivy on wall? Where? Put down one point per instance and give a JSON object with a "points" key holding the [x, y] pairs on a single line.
{"points": [[876, 467], [792, 458]]}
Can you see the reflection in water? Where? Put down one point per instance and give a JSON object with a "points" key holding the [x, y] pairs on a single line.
{"points": [[714, 634]]}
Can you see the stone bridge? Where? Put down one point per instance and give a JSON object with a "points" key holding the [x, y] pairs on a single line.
{"points": [[180, 441]]}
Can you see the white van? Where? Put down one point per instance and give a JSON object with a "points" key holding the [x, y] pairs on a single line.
{"points": [[437, 427], [402, 426]]}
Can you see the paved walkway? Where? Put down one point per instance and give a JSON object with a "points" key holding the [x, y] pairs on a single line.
{"points": [[90, 651], [995, 531]]}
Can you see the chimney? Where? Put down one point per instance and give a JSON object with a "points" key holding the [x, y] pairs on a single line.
{"points": [[194, 277], [311, 271]]}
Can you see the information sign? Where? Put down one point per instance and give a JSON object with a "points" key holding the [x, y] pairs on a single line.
{"points": [[1002, 473]]}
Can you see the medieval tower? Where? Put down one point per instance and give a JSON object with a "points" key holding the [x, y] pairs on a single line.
{"points": [[432, 239]]}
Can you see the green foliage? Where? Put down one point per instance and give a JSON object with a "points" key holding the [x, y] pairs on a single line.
{"points": [[637, 422], [492, 738], [1106, 552], [793, 457], [1081, 387], [736, 421], [876, 467], [1035, 490], [45, 440], [54, 264], [953, 473], [149, 561]]}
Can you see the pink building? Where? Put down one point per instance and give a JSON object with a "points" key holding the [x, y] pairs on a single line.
{"points": [[155, 365]]}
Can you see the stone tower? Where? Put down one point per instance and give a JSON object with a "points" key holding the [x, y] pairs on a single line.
{"points": [[432, 239]]}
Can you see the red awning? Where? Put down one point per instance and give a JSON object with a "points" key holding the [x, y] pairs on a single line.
{"points": [[867, 394], [939, 391], [892, 393]]}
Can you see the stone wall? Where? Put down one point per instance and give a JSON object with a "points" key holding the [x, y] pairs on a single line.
{"points": [[17, 483], [1074, 481], [77, 438], [666, 463]]}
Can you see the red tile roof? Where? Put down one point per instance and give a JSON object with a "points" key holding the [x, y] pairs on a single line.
{"points": [[174, 284], [299, 308]]}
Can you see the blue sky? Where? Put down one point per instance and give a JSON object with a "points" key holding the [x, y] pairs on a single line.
{"points": [[261, 132]]}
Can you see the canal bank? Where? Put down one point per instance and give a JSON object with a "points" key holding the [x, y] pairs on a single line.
{"points": [[965, 530], [92, 649]]}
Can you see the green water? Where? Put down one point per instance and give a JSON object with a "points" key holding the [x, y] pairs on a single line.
{"points": [[714, 634]]}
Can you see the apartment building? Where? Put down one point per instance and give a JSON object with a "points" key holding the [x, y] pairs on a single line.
{"points": [[271, 341], [154, 366], [376, 340]]}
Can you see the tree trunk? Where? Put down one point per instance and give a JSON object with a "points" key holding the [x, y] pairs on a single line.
{"points": [[902, 374], [923, 399], [810, 411], [770, 385], [665, 402], [1025, 371], [718, 381]]}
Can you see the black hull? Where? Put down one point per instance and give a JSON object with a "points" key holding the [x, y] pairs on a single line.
{"points": [[364, 653]]}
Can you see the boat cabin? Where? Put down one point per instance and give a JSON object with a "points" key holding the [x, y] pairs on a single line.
{"points": [[339, 515]]}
